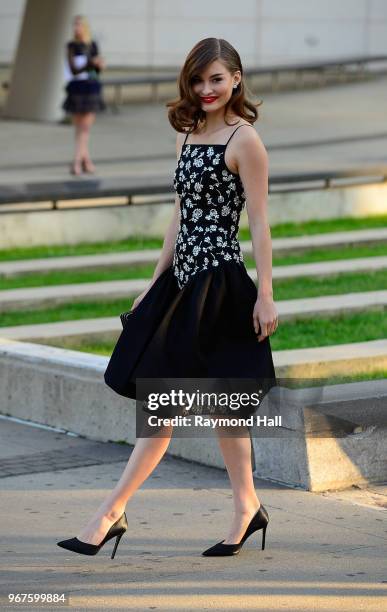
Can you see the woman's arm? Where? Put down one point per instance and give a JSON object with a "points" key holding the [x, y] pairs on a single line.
{"points": [[96, 60], [252, 161], [166, 255]]}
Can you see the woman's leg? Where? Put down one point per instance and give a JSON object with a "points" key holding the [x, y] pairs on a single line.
{"points": [[87, 122], [236, 452], [82, 123], [145, 456], [77, 122]]}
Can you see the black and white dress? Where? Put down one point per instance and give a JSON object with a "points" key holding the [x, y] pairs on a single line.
{"points": [[84, 89], [196, 319]]}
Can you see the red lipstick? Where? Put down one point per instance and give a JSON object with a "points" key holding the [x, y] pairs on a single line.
{"points": [[209, 99]]}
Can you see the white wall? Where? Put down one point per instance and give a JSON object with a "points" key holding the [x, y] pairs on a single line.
{"points": [[11, 12], [161, 32]]}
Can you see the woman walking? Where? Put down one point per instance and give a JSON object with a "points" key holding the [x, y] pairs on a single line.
{"points": [[84, 97], [201, 315]]}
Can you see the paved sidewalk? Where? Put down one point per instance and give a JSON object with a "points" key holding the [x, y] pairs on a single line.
{"points": [[298, 133], [323, 551]]}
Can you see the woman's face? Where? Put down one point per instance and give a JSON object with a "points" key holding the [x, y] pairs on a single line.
{"points": [[214, 85], [78, 28]]}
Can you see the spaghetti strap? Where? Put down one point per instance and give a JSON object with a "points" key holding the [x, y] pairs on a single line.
{"points": [[186, 136], [239, 126]]}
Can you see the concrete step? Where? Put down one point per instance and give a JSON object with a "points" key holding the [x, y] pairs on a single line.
{"points": [[79, 262], [96, 327], [40, 297], [328, 305], [327, 268], [287, 310], [331, 239], [325, 361], [106, 260]]}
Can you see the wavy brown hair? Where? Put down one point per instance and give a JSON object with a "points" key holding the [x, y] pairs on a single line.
{"points": [[185, 111]]}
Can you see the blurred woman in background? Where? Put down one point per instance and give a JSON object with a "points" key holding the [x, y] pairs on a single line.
{"points": [[84, 91]]}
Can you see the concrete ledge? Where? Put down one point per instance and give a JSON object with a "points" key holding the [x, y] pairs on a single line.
{"points": [[117, 223], [322, 361], [326, 462], [66, 389]]}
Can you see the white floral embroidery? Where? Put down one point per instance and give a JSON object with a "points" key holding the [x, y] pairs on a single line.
{"points": [[197, 213], [215, 198]]}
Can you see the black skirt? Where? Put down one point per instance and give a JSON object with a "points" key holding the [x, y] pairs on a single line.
{"points": [[84, 96], [204, 330]]}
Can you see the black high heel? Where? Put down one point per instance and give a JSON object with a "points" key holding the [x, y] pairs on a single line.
{"points": [[260, 520], [117, 530]]}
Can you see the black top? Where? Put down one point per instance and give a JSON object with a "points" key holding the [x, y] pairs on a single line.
{"points": [[81, 48], [211, 201]]}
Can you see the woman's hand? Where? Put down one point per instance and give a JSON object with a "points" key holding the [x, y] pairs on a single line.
{"points": [[265, 316], [140, 297], [98, 62]]}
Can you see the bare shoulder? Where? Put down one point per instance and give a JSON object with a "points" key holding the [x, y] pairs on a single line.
{"points": [[248, 138], [246, 149]]}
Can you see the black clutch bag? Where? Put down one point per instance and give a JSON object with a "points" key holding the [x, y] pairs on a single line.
{"points": [[124, 316]]}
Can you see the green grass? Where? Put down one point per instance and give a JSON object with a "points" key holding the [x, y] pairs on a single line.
{"points": [[85, 345], [308, 286], [327, 331], [66, 312], [134, 243], [141, 242], [285, 289], [60, 277], [332, 254], [104, 348], [301, 333], [373, 375], [344, 224]]}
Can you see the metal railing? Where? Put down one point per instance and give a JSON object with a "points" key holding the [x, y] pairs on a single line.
{"points": [[356, 64]]}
